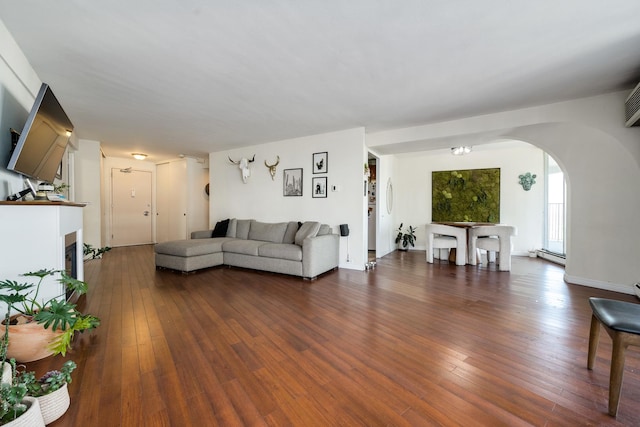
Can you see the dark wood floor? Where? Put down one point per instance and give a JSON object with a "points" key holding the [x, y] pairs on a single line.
{"points": [[407, 343]]}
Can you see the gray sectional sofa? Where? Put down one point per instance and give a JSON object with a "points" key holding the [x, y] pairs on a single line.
{"points": [[304, 250]]}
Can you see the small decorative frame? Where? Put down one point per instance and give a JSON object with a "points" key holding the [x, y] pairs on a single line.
{"points": [[319, 187], [320, 162], [292, 182]]}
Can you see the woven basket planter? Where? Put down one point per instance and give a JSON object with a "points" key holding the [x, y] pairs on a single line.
{"points": [[54, 405], [31, 418]]}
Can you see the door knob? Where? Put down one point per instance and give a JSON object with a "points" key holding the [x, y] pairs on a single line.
{"points": [[146, 213]]}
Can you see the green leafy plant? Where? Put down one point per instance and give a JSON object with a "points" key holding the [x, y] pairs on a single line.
{"points": [[59, 188], [49, 382], [55, 314], [11, 397], [93, 253], [12, 393], [406, 238]]}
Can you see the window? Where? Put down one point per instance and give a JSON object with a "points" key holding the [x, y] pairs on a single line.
{"points": [[555, 206]]}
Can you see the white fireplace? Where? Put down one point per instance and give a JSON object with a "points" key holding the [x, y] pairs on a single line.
{"points": [[36, 235]]}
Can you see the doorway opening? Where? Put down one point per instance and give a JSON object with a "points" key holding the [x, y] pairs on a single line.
{"points": [[372, 211], [555, 209]]}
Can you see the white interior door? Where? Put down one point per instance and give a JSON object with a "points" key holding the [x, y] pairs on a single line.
{"points": [[131, 219], [171, 203]]}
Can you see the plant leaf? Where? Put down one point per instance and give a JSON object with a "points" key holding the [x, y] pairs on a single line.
{"points": [[58, 315]]}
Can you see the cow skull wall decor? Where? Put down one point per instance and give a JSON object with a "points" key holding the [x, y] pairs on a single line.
{"points": [[272, 168], [243, 164]]}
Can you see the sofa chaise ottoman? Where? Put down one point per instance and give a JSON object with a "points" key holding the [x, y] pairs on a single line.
{"points": [[300, 249]]}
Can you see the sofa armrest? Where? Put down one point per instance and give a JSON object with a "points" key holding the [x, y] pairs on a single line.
{"points": [[202, 234], [320, 254]]}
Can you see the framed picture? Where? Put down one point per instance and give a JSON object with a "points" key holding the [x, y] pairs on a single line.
{"points": [[319, 186], [320, 162], [292, 182]]}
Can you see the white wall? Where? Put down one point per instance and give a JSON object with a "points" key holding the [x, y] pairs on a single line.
{"points": [[600, 159], [262, 199], [19, 86], [523, 209], [86, 188]]}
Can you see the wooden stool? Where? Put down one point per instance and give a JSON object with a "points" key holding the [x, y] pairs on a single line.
{"points": [[621, 320]]}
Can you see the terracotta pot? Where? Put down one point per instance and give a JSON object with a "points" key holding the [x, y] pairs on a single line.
{"points": [[54, 405], [31, 418], [30, 341]]}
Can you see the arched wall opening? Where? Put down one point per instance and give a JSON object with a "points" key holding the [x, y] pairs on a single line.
{"points": [[601, 161], [602, 203]]}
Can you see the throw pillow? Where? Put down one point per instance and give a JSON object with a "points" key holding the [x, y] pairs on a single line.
{"points": [[290, 234], [231, 230], [242, 228], [220, 230], [308, 229]]}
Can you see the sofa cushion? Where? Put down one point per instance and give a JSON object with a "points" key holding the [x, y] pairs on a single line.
{"points": [[308, 229], [231, 229], [281, 251], [324, 229], [267, 232], [220, 230], [242, 228], [192, 247], [246, 247], [290, 234]]}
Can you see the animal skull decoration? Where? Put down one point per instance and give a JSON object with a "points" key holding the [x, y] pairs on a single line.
{"points": [[272, 168], [243, 164]]}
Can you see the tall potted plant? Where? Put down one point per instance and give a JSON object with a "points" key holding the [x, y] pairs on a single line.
{"points": [[16, 408], [42, 328]]}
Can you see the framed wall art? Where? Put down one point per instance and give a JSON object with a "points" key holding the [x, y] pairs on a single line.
{"points": [[292, 182], [320, 162], [471, 195], [319, 186]]}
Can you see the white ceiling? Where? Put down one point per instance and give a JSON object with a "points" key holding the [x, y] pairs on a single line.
{"points": [[195, 76]]}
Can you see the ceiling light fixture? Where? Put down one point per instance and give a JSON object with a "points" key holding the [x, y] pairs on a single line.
{"points": [[139, 156], [459, 151]]}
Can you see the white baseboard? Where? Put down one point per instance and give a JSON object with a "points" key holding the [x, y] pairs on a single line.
{"points": [[551, 257], [608, 286]]}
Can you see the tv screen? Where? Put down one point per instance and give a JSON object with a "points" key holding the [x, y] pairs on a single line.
{"points": [[43, 140]]}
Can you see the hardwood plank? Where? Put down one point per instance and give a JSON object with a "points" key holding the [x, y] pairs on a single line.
{"points": [[408, 343]]}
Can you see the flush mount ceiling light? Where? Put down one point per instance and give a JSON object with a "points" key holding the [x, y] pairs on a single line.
{"points": [[139, 156], [459, 151]]}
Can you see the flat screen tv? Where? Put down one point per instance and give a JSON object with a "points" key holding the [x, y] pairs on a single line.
{"points": [[43, 139]]}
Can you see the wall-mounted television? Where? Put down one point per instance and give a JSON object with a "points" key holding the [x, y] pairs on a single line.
{"points": [[43, 139]]}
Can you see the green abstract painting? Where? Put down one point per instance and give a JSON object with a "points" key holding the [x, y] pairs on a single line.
{"points": [[466, 195]]}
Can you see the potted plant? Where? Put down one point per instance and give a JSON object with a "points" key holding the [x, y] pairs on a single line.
{"points": [[50, 390], [406, 238], [94, 253], [18, 409], [42, 328]]}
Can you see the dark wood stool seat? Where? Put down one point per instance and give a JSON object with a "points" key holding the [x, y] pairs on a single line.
{"points": [[621, 320]]}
